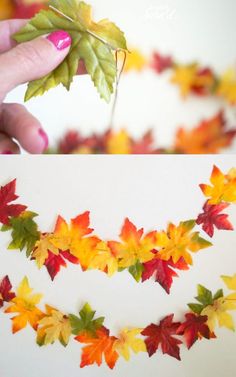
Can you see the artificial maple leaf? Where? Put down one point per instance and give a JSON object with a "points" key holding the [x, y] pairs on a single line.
{"points": [[25, 305], [162, 335], [179, 240], [194, 328], [104, 259], [119, 143], [184, 76], [27, 8], [209, 137], [144, 145], [211, 217], [24, 232], [135, 61], [97, 347], [218, 312], [92, 42], [54, 262], [128, 341], [52, 327], [161, 63], [205, 298], [163, 271], [72, 238], [221, 190], [86, 322], [135, 247], [227, 86], [7, 210], [6, 294], [42, 248], [230, 281]]}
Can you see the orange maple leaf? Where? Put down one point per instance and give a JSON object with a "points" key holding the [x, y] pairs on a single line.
{"points": [[100, 345]]}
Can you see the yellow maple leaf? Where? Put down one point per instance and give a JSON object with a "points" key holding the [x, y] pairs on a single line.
{"points": [[42, 246], [104, 259], [179, 240], [218, 313], [135, 61], [119, 143], [25, 304], [54, 326], [222, 188], [227, 86], [128, 341], [6, 9], [185, 76], [230, 281], [135, 247]]}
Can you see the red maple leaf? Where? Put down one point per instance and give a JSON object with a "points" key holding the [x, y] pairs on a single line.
{"points": [[162, 336], [5, 291], [163, 271], [7, 195], [23, 10], [194, 328], [211, 217], [161, 63], [144, 145], [54, 262]]}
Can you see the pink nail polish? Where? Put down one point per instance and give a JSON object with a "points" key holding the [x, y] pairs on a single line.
{"points": [[44, 137], [7, 152], [61, 39]]}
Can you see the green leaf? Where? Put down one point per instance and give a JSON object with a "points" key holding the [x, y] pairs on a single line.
{"points": [[24, 232], [204, 296], [86, 321], [93, 42], [196, 308], [218, 294], [136, 271]]}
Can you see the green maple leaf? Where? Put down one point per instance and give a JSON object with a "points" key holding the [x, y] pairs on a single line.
{"points": [[24, 232], [205, 297], [86, 321], [136, 271], [93, 42]]}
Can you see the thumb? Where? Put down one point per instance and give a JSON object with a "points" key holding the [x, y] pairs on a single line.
{"points": [[32, 60]]}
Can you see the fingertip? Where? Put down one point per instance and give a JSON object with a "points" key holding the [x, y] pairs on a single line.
{"points": [[36, 141]]}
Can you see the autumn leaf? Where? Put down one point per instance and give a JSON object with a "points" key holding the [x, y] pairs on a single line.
{"points": [[24, 232], [221, 190], [98, 347], [135, 61], [218, 313], [209, 137], [25, 305], [6, 294], [144, 145], [27, 8], [184, 76], [162, 336], [135, 247], [179, 241], [205, 298], [128, 341], [227, 86], [52, 327], [104, 259], [211, 217], [54, 262], [92, 42], [42, 248], [6, 9], [7, 210], [119, 143], [163, 271], [161, 63], [85, 323], [194, 328], [230, 282]]}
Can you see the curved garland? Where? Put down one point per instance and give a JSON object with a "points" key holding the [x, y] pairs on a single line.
{"points": [[157, 253], [51, 325]]}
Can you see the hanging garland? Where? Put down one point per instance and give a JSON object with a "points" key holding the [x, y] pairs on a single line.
{"points": [[208, 137], [157, 254], [51, 325]]}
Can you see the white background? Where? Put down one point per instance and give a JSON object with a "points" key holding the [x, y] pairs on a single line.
{"points": [[201, 30], [151, 191]]}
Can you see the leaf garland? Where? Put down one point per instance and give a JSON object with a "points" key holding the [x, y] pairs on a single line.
{"points": [[99, 346], [95, 43], [210, 136], [158, 254]]}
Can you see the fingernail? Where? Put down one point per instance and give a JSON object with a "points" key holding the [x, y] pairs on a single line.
{"points": [[61, 39], [44, 137], [7, 152]]}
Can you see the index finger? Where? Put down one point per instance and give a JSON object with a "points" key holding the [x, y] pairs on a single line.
{"points": [[7, 29]]}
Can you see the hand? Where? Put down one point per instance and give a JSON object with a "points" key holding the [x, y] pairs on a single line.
{"points": [[19, 64]]}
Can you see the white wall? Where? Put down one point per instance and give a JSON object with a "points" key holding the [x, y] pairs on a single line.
{"points": [[158, 191], [203, 30]]}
